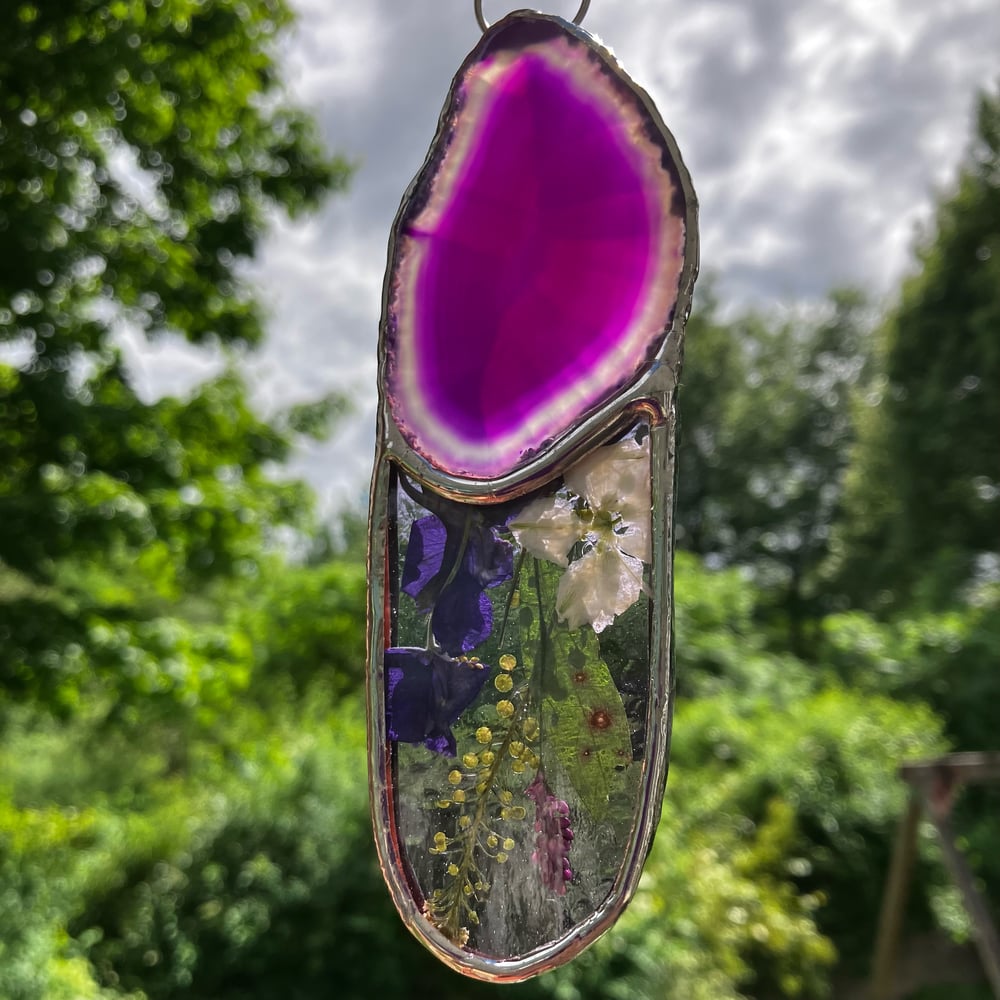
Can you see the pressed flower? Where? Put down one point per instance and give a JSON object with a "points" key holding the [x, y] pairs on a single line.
{"points": [[610, 518], [602, 584], [548, 528], [462, 617], [615, 483], [447, 569], [426, 692], [553, 836]]}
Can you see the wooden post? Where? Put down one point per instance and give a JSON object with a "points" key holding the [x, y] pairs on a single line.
{"points": [[983, 931], [890, 921], [933, 785]]}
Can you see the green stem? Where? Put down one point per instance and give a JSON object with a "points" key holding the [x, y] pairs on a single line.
{"points": [[453, 902], [544, 641], [510, 598]]}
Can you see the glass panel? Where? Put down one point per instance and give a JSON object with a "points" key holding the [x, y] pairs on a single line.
{"points": [[516, 694]]}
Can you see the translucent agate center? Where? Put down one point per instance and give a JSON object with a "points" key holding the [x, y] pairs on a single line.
{"points": [[536, 260]]}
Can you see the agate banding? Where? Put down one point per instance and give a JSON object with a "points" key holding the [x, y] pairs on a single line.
{"points": [[535, 263]]}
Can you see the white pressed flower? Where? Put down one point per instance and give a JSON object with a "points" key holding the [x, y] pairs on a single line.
{"points": [[548, 528], [614, 481], [602, 584], [611, 517]]}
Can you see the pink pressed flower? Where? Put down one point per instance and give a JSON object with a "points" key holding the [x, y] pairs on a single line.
{"points": [[554, 836]]}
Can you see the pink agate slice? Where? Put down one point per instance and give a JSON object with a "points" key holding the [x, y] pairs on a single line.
{"points": [[537, 259]]}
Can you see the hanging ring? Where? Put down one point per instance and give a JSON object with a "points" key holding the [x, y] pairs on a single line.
{"points": [[484, 24]]}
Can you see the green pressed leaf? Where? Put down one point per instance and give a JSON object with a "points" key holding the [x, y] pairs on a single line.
{"points": [[583, 721]]}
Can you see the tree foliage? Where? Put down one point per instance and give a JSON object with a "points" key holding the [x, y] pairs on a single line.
{"points": [[766, 430], [142, 147], [925, 487], [236, 861]]}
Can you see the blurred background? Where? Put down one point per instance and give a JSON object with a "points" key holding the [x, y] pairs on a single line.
{"points": [[195, 197]]}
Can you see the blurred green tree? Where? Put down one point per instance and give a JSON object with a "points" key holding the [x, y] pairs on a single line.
{"points": [[923, 499], [145, 582], [142, 147], [766, 436], [776, 830]]}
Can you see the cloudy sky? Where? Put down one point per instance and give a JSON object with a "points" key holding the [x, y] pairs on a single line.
{"points": [[815, 131]]}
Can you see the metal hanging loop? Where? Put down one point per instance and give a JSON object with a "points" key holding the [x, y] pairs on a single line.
{"points": [[484, 24]]}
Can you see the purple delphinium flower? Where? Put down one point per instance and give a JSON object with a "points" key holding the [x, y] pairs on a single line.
{"points": [[554, 836], [426, 692], [447, 570]]}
